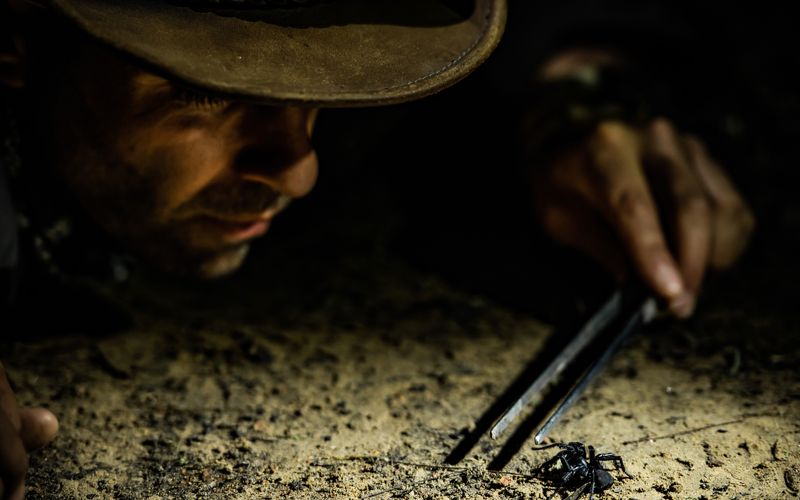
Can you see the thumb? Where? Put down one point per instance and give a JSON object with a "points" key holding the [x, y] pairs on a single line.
{"points": [[39, 427]]}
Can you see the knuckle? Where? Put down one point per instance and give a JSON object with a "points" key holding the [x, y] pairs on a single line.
{"points": [[610, 134], [630, 204]]}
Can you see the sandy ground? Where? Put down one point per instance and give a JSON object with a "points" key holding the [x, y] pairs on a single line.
{"points": [[350, 374]]}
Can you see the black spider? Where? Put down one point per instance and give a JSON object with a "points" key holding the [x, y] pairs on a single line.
{"points": [[574, 469]]}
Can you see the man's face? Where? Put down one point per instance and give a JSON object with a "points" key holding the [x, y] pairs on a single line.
{"points": [[186, 181]]}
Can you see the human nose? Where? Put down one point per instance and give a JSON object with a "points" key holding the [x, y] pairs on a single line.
{"points": [[276, 149]]}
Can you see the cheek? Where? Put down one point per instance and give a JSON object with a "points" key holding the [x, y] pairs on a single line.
{"points": [[175, 165]]}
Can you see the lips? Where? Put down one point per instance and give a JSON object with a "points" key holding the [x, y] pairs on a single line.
{"points": [[234, 231], [241, 227]]}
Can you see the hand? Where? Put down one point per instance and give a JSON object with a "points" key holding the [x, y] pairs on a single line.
{"points": [[652, 200], [22, 430]]}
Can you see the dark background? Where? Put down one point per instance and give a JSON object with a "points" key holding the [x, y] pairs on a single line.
{"points": [[439, 182]]}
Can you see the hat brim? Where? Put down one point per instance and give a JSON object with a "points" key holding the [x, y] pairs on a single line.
{"points": [[338, 53]]}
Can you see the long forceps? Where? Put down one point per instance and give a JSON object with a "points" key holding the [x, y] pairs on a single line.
{"points": [[627, 309]]}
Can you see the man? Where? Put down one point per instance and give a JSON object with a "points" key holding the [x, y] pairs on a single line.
{"points": [[181, 129]]}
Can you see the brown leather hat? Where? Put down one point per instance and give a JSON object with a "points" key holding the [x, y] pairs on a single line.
{"points": [[306, 52]]}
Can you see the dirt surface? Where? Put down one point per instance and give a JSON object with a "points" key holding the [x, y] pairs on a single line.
{"points": [[351, 374]]}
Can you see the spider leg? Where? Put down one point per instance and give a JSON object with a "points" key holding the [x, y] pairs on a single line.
{"points": [[616, 459], [566, 478], [578, 492], [594, 479]]}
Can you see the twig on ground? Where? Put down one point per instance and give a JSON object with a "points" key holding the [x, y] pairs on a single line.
{"points": [[697, 429]]}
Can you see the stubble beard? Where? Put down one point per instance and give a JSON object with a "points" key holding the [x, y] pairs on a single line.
{"points": [[224, 263]]}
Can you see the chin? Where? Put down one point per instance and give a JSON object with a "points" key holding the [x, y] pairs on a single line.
{"points": [[188, 257], [222, 264]]}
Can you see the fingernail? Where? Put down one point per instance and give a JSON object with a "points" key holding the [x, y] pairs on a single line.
{"points": [[683, 306], [669, 280]]}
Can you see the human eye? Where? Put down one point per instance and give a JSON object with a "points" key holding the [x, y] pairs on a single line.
{"points": [[198, 99]]}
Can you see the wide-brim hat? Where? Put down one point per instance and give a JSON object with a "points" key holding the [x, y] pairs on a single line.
{"points": [[301, 52]]}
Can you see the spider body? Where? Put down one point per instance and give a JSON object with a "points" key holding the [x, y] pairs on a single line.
{"points": [[574, 468]]}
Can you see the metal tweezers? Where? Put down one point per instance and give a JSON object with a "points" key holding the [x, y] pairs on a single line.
{"points": [[627, 309]]}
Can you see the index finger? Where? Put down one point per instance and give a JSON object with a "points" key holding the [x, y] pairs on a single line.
{"points": [[690, 211], [625, 198]]}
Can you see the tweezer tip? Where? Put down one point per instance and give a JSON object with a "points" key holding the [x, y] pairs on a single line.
{"points": [[538, 439]]}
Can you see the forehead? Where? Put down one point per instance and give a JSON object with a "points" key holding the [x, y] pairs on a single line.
{"points": [[104, 70]]}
